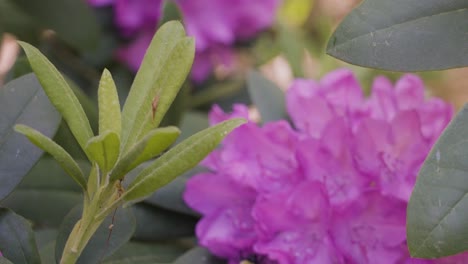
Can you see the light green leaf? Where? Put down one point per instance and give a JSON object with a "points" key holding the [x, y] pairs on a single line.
{"points": [[404, 35], [163, 70], [149, 147], [109, 106], [101, 244], [437, 218], [267, 97], [60, 94], [179, 159], [63, 158], [93, 181], [104, 150]]}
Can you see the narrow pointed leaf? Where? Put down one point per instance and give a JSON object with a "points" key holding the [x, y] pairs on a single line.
{"points": [[59, 154], [179, 159], [17, 242], [267, 97], [60, 94], [22, 101], [104, 150], [437, 218], [149, 147], [404, 35], [109, 106], [163, 65]]}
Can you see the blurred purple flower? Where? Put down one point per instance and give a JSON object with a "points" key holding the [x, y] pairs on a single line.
{"points": [[333, 189], [216, 26]]}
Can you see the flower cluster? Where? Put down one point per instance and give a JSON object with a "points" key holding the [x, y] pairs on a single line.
{"points": [[331, 189], [215, 24]]}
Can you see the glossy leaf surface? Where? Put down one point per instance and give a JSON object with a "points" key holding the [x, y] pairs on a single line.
{"points": [[404, 35], [17, 242], [437, 219], [22, 101]]}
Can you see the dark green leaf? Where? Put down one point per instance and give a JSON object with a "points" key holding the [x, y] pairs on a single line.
{"points": [[146, 253], [99, 246], [192, 122], [46, 184], [404, 35], [22, 101], [155, 224], [198, 255], [179, 159], [267, 97], [170, 12], [170, 196], [17, 241], [5, 261], [73, 20], [44, 237], [60, 94], [437, 219]]}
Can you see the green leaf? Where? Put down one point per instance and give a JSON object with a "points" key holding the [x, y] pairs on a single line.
{"points": [[60, 94], [46, 184], [292, 46], [267, 97], [59, 154], [17, 242], [149, 147], [404, 35], [109, 106], [73, 20], [192, 122], [104, 149], [170, 197], [22, 101], [179, 159], [5, 261], [156, 224], [146, 253], [100, 245], [438, 209], [166, 64], [198, 255]]}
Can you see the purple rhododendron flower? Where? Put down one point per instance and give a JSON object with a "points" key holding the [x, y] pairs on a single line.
{"points": [[215, 24], [331, 189]]}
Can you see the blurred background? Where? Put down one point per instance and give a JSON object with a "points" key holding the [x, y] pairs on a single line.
{"points": [[282, 40]]}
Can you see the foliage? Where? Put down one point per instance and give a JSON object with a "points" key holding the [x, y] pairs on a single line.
{"points": [[417, 35], [125, 140]]}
